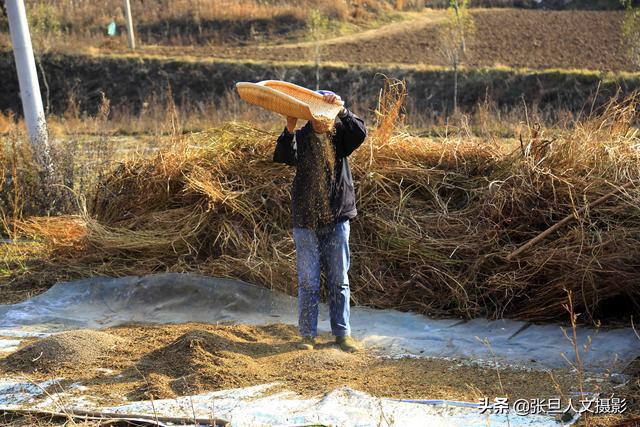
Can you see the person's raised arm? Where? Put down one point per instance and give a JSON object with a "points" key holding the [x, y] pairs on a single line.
{"points": [[285, 151]]}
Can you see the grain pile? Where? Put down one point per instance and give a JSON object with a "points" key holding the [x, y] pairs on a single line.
{"points": [[75, 350], [202, 360], [165, 361]]}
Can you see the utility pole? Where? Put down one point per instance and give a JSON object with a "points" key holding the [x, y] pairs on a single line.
{"points": [[130, 35], [28, 80]]}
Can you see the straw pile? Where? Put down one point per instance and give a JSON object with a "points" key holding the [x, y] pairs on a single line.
{"points": [[437, 219]]}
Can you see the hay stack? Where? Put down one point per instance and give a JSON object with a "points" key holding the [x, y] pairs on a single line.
{"points": [[437, 219]]}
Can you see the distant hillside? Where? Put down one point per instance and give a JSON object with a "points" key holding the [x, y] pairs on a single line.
{"points": [[132, 82], [538, 39], [186, 22]]}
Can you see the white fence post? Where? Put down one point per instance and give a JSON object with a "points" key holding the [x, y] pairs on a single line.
{"points": [[28, 80]]}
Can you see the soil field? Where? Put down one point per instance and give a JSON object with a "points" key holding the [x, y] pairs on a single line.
{"points": [[518, 38], [504, 37]]}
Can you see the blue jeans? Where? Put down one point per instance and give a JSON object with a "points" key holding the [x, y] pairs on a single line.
{"points": [[329, 248]]}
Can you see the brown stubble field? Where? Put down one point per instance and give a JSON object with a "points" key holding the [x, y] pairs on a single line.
{"points": [[517, 38]]}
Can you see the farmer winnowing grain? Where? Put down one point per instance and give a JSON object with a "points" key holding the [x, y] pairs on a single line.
{"points": [[323, 202]]}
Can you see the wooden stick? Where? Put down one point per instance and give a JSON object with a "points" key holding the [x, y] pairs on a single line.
{"points": [[96, 415], [564, 221]]}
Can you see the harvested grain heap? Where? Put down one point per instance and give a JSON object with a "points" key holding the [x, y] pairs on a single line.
{"points": [[437, 219], [77, 349]]}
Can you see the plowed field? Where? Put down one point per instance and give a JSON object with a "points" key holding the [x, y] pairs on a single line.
{"points": [[509, 37]]}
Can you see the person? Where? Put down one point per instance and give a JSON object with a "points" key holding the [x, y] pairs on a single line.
{"points": [[322, 204]]}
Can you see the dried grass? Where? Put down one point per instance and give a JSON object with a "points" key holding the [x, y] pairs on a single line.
{"points": [[82, 16], [437, 218]]}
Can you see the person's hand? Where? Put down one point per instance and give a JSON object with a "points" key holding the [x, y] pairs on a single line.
{"points": [[291, 124], [331, 98]]}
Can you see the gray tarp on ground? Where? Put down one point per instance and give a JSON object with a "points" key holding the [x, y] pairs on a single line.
{"points": [[101, 302]]}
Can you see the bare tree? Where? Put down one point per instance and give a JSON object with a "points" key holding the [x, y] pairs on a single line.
{"points": [[318, 26], [453, 36], [45, 25]]}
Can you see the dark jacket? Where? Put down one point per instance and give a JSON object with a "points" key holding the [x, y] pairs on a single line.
{"points": [[350, 133]]}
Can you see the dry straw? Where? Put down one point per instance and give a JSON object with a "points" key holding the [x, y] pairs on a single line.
{"points": [[437, 218]]}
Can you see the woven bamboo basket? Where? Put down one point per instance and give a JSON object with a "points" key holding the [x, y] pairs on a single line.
{"points": [[288, 99]]}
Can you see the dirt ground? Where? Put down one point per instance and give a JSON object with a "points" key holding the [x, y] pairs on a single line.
{"points": [[158, 362], [504, 37], [142, 362]]}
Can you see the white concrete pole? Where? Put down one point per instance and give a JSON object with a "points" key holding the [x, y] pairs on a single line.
{"points": [[28, 80], [130, 35]]}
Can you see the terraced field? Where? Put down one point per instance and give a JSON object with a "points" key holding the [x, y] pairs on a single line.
{"points": [[517, 38], [511, 37]]}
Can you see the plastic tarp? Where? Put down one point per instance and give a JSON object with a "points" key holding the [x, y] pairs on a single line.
{"points": [[260, 406], [178, 298], [341, 407]]}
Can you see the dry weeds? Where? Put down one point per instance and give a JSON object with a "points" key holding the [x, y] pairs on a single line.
{"points": [[437, 218]]}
